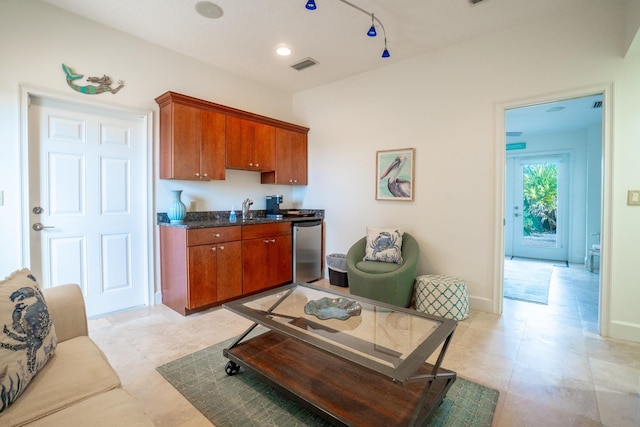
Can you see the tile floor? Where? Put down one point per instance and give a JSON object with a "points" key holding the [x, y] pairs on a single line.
{"points": [[549, 363]]}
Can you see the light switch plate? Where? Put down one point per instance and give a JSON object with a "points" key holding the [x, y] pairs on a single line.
{"points": [[633, 197]]}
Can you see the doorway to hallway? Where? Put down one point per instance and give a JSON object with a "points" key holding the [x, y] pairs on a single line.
{"points": [[553, 185]]}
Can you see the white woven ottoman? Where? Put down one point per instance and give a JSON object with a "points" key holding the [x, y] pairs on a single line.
{"points": [[442, 296]]}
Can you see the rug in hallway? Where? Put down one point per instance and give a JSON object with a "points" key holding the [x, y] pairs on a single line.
{"points": [[527, 280]]}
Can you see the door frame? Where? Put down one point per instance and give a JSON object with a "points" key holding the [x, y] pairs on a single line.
{"points": [[26, 91], [606, 90]]}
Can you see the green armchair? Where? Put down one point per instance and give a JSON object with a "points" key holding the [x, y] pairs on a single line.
{"points": [[383, 281]]}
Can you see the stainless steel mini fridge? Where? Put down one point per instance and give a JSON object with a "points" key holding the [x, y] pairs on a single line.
{"points": [[307, 251]]}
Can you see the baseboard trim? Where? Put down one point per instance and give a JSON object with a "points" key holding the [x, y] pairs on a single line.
{"points": [[480, 304], [625, 330]]}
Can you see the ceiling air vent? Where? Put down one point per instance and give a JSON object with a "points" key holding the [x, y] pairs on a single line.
{"points": [[305, 63], [597, 104]]}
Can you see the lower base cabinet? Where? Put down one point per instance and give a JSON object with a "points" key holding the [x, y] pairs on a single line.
{"points": [[267, 262], [215, 273], [200, 267], [267, 256], [208, 266], [229, 275]]}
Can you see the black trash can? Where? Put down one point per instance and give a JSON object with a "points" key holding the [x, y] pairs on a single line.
{"points": [[337, 264]]}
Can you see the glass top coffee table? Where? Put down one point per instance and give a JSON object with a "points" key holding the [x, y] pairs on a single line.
{"points": [[352, 360]]}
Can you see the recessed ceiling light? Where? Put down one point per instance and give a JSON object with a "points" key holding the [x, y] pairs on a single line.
{"points": [[283, 51], [209, 10]]}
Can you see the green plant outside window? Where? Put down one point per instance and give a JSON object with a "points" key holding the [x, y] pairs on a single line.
{"points": [[540, 196]]}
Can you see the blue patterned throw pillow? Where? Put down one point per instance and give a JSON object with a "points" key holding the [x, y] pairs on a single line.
{"points": [[27, 336], [384, 244]]}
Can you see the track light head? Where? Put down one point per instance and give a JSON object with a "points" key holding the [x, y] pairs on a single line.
{"points": [[372, 31], [385, 52]]}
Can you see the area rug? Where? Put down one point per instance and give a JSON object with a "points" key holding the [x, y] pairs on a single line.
{"points": [[527, 280], [243, 400]]}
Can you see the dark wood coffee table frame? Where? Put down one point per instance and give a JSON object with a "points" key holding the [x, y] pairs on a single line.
{"points": [[342, 387]]}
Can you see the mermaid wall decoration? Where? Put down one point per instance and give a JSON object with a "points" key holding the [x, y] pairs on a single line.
{"points": [[103, 83]]}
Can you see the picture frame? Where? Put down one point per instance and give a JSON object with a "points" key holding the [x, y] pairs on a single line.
{"points": [[395, 174]]}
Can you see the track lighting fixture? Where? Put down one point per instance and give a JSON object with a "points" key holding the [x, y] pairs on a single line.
{"points": [[385, 52], [311, 5], [372, 30]]}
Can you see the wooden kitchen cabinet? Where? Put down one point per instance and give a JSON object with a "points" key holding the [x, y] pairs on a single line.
{"points": [[200, 267], [291, 159], [250, 145], [202, 275], [192, 141], [229, 275], [267, 256], [200, 139], [215, 273]]}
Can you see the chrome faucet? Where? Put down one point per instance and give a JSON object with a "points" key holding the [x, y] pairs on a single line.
{"points": [[246, 205]]}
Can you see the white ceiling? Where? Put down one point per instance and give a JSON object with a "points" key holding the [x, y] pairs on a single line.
{"points": [[244, 39], [561, 116]]}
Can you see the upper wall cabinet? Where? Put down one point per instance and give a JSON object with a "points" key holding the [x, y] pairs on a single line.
{"points": [[199, 139], [291, 159], [192, 141], [250, 145]]}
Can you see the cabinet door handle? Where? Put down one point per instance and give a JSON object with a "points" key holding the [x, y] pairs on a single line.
{"points": [[257, 165], [222, 248], [273, 240], [205, 175], [197, 174], [266, 241], [213, 248], [250, 164], [217, 234]]}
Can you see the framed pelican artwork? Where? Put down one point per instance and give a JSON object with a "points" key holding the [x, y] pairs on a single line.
{"points": [[395, 174]]}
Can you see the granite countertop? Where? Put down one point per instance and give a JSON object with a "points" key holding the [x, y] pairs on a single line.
{"points": [[221, 218]]}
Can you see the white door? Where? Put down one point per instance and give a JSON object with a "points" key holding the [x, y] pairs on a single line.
{"points": [[537, 229], [87, 202]]}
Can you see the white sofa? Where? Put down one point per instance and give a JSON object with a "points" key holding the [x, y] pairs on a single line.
{"points": [[77, 386]]}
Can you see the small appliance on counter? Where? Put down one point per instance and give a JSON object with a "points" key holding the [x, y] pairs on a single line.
{"points": [[273, 206]]}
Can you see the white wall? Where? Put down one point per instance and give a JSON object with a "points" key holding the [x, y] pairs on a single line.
{"points": [[35, 39], [444, 104]]}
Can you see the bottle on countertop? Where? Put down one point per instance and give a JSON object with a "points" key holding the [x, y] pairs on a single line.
{"points": [[232, 215]]}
